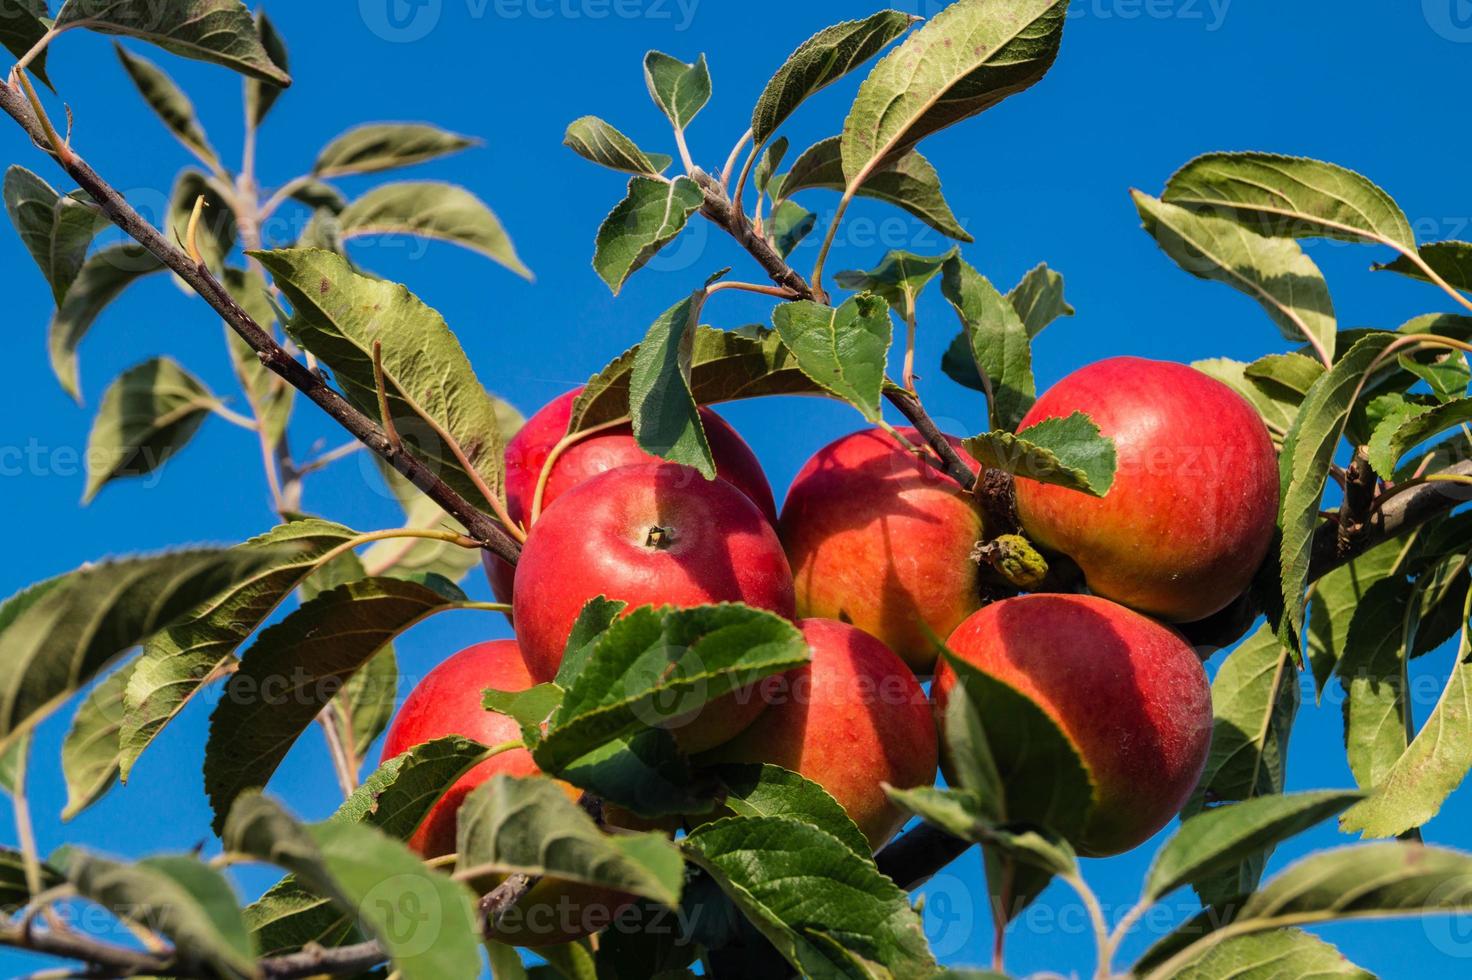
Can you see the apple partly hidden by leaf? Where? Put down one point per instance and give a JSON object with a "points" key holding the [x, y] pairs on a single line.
{"points": [[1127, 691], [1191, 513]]}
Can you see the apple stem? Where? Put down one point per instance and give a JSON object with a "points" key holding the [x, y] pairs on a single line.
{"points": [[659, 538]]}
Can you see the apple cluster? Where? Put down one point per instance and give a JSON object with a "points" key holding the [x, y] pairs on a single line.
{"points": [[873, 556]]}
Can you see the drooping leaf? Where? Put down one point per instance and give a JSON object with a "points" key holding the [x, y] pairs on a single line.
{"points": [[665, 415], [788, 225], [305, 659], [828, 911], [22, 25], [770, 791], [170, 103], [217, 230], [59, 634], [1067, 452], [1273, 271], [90, 753], [994, 346], [426, 209], [843, 350], [966, 59], [261, 96], [217, 31], [908, 181], [177, 662], [147, 415], [531, 827], [433, 393], [593, 139], [680, 90], [821, 60], [1291, 196], [376, 147], [56, 228], [100, 280], [1372, 671], [648, 219]]}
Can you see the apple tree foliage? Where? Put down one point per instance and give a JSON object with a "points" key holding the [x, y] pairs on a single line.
{"points": [[773, 870]]}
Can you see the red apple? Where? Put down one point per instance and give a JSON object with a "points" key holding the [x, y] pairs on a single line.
{"points": [[853, 718], [1191, 513], [650, 534], [1127, 691], [448, 702], [883, 540], [598, 452]]}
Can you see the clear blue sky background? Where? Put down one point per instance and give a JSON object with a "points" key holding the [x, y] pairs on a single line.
{"points": [[1141, 87]]}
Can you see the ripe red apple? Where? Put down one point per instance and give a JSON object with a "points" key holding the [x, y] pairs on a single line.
{"points": [[650, 534], [853, 718], [1191, 513], [883, 540], [1128, 692], [598, 452], [448, 702]]}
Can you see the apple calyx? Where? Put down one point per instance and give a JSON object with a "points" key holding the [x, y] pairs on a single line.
{"points": [[659, 538], [1014, 558]]}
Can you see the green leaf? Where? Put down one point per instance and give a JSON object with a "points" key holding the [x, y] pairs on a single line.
{"points": [[1292, 196], [1219, 838], [177, 896], [645, 773], [22, 24], [680, 90], [645, 221], [657, 664], [59, 634], [966, 59], [900, 277], [366, 703], [170, 103], [820, 61], [761, 790], [56, 229], [198, 648], [100, 280], [426, 209], [962, 813], [15, 894], [770, 161], [433, 392], [90, 752], [843, 350], [423, 919], [217, 31], [1067, 452], [1271, 956], [305, 659], [270, 397], [1405, 430], [406, 557], [1335, 598], [1255, 698], [665, 415], [1372, 672], [319, 195], [788, 225], [1038, 299], [1447, 377], [725, 365], [147, 415], [994, 346], [261, 96], [1308, 450], [529, 826], [1273, 271], [1452, 261], [11, 764], [828, 911], [907, 181], [593, 139], [217, 229], [376, 147]]}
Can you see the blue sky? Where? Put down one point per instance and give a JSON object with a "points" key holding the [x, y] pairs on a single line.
{"points": [[1141, 87]]}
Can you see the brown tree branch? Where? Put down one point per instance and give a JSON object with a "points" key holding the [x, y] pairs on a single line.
{"points": [[480, 525]]}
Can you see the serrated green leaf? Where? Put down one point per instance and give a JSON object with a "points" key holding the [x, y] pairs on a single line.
{"points": [[1408, 428], [1067, 452], [656, 664], [90, 753], [55, 228], [217, 31], [146, 416], [426, 209], [1269, 956], [665, 415], [1336, 596], [261, 96], [1452, 261], [648, 219], [908, 181], [217, 231], [993, 352], [680, 90], [1372, 672], [821, 60], [530, 826], [59, 634], [1291, 196], [966, 59], [22, 25], [1447, 377], [962, 814], [645, 773], [761, 790], [828, 911], [432, 390], [900, 277], [593, 621], [593, 139], [376, 147], [306, 659], [169, 103], [100, 280], [1273, 271], [788, 225], [843, 350]]}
